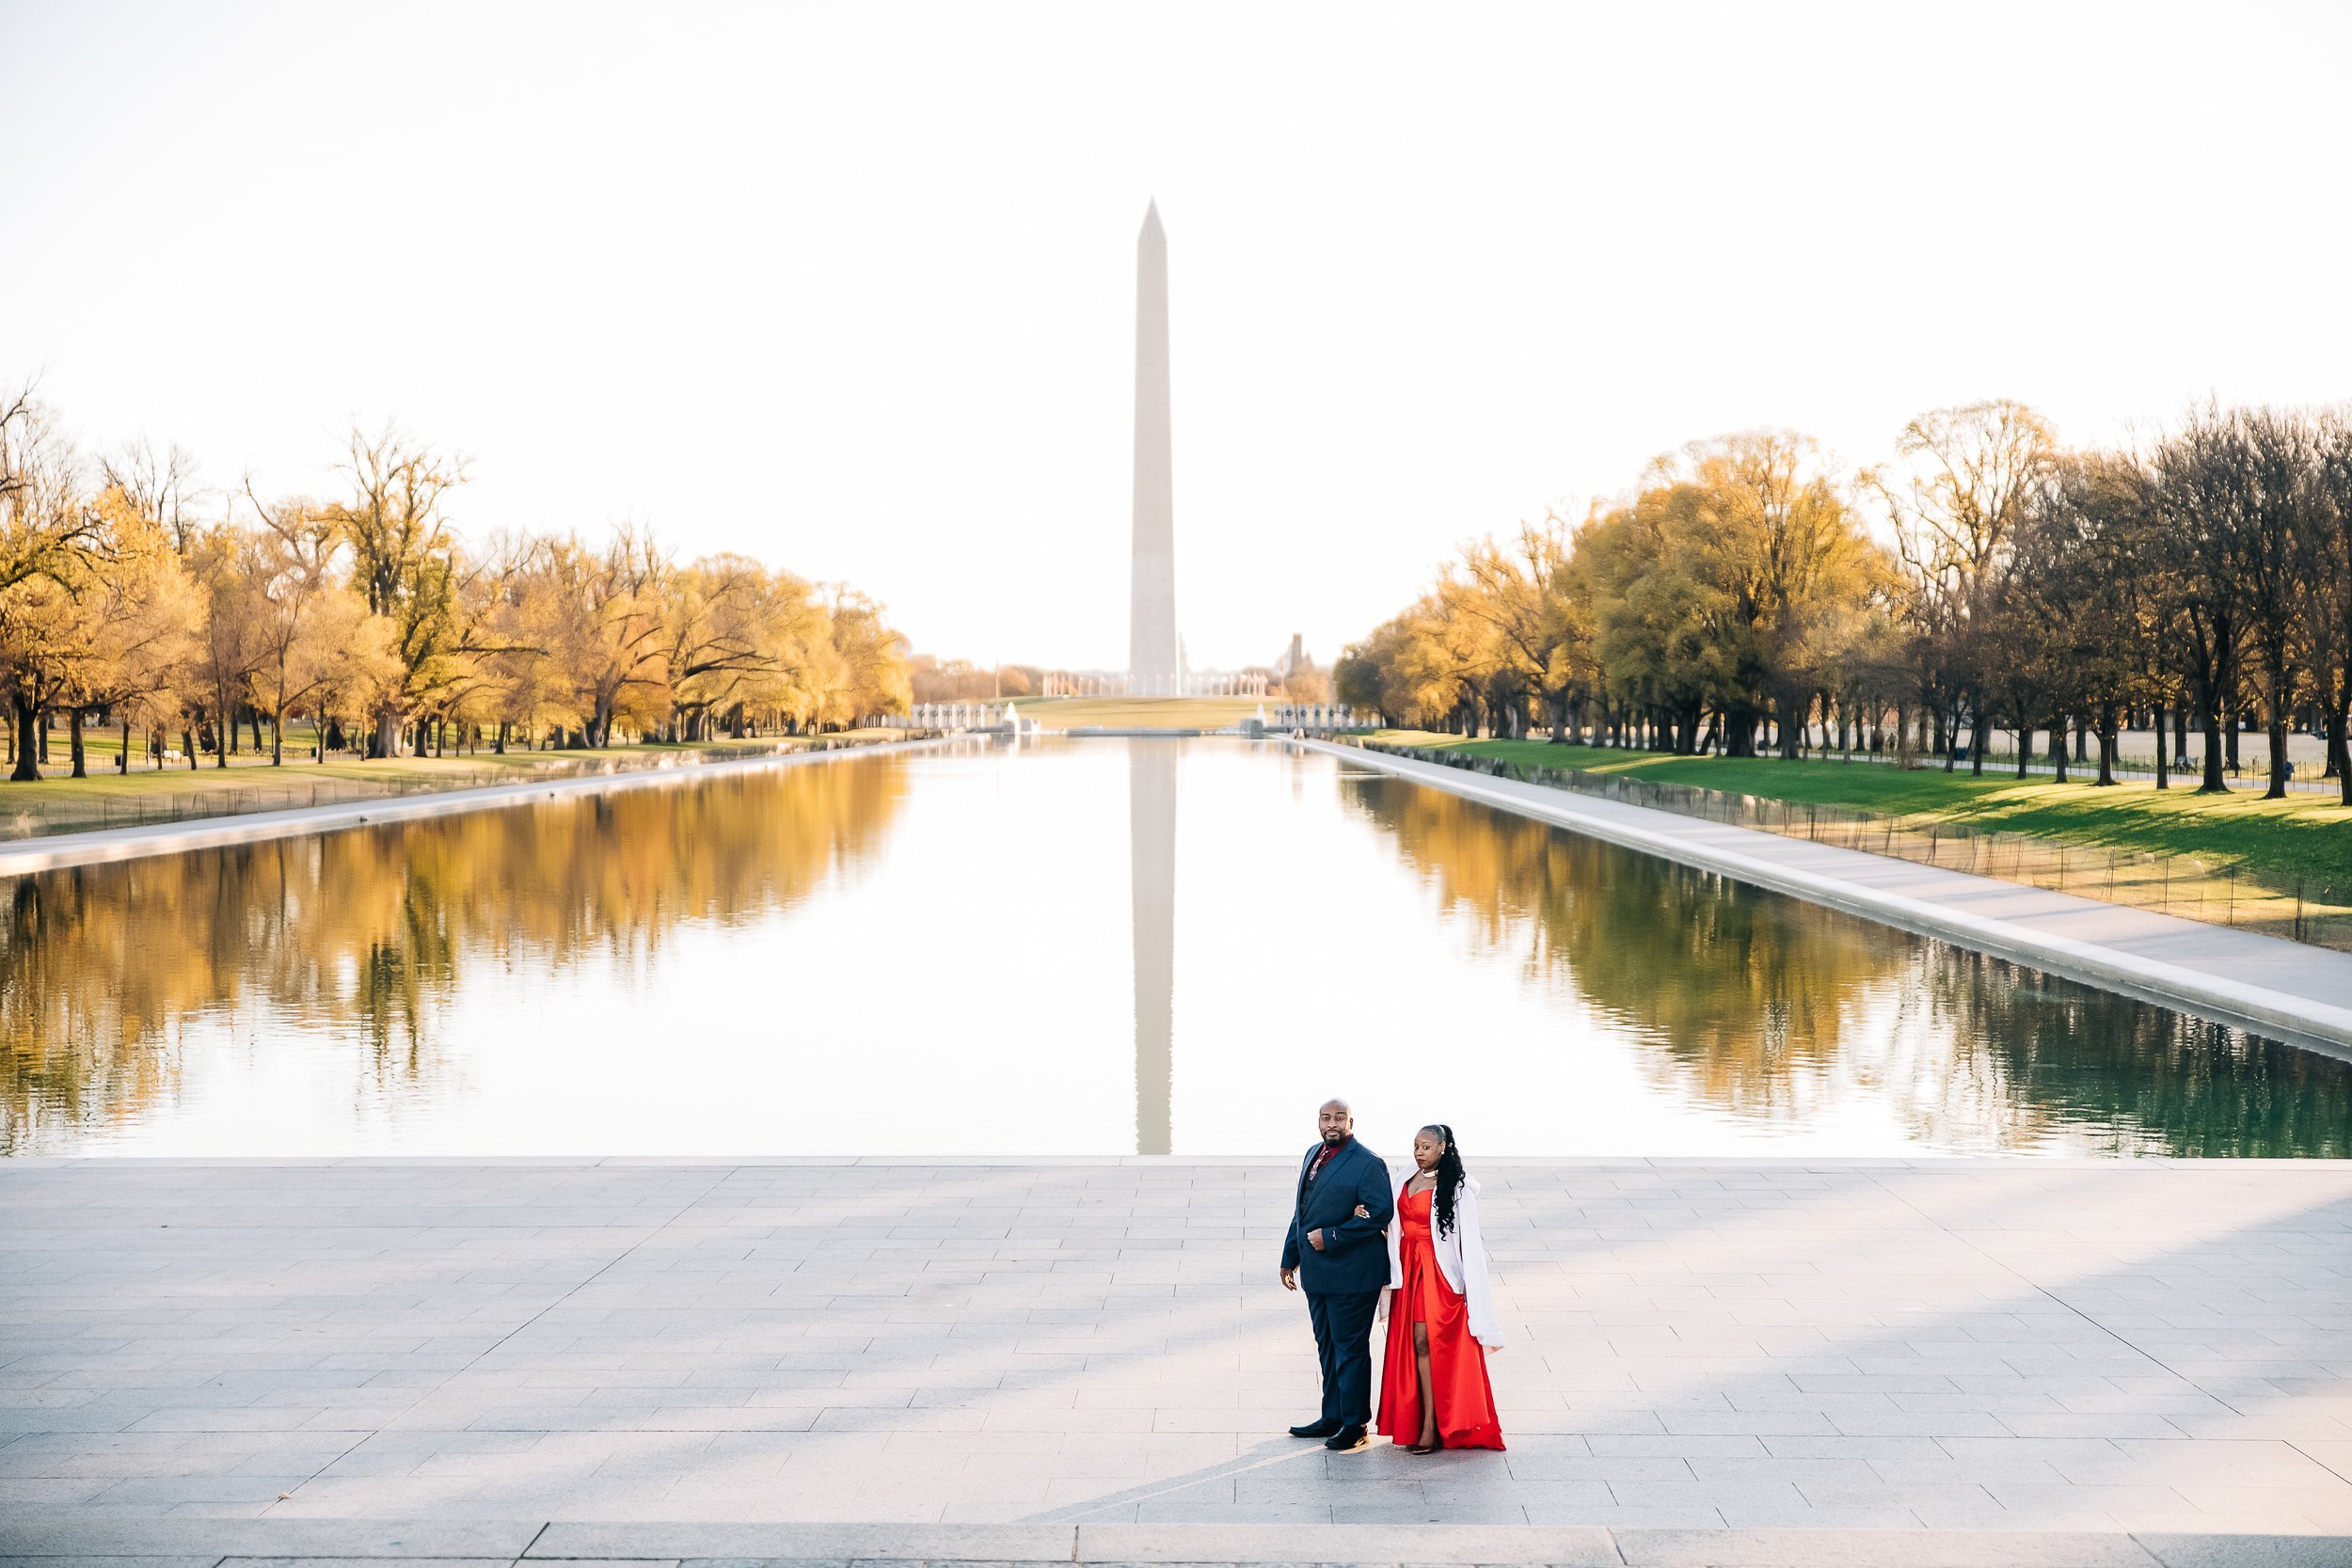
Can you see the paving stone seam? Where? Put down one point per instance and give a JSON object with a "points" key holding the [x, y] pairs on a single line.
{"points": [[1388, 1546], [686, 1207], [2295, 1444], [1854, 1225], [1968, 1241]]}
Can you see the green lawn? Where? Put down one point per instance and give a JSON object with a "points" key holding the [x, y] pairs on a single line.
{"points": [[2304, 836]]}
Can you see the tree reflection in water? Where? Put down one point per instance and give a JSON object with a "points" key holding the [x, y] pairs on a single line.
{"points": [[365, 933], [1770, 1009]]}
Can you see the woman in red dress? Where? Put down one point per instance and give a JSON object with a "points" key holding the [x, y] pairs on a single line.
{"points": [[1434, 1392]]}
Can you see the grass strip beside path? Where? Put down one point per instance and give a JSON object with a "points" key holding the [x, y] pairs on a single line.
{"points": [[107, 798], [2304, 836]]}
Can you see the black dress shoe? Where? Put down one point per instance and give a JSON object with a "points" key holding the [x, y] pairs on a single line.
{"points": [[1316, 1429], [1347, 1440]]}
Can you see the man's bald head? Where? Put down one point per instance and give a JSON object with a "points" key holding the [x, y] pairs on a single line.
{"points": [[1336, 1120]]}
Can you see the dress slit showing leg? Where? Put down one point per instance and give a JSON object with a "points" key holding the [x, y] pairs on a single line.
{"points": [[1457, 1363]]}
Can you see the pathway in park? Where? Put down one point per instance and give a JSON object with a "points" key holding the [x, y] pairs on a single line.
{"points": [[26, 856], [673, 1360], [2285, 989]]}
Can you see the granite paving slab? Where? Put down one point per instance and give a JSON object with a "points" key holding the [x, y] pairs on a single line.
{"points": [[1923, 1350]]}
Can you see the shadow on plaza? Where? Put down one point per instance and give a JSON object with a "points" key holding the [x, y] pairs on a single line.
{"points": [[1284, 1453], [2221, 1319], [2045, 1397], [1918, 1287]]}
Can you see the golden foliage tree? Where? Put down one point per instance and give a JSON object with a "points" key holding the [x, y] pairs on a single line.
{"points": [[116, 598]]}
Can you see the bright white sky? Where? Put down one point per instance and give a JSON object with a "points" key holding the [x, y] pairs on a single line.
{"points": [[850, 287]]}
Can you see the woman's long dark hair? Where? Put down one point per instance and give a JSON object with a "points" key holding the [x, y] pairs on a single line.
{"points": [[1448, 1175]]}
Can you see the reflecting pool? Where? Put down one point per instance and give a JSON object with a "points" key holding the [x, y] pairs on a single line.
{"points": [[1081, 947]]}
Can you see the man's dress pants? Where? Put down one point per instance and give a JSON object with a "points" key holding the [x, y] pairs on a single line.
{"points": [[1344, 1343]]}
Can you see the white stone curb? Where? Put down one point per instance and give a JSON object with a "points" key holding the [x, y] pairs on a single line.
{"points": [[24, 856], [2303, 1021]]}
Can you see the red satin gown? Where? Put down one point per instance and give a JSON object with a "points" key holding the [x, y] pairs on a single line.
{"points": [[1457, 1363]]}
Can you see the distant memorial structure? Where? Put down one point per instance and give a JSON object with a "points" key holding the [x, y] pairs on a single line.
{"points": [[1154, 656]]}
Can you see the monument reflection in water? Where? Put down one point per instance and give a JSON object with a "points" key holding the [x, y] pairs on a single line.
{"points": [[1151, 900], [936, 954]]}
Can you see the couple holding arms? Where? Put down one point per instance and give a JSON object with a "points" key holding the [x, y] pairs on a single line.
{"points": [[1429, 1280]]}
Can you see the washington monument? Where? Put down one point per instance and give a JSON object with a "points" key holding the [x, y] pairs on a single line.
{"points": [[1155, 661]]}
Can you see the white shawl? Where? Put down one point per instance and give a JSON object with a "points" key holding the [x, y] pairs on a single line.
{"points": [[1461, 1257]]}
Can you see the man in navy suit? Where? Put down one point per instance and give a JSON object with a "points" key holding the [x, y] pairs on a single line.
{"points": [[1334, 1250]]}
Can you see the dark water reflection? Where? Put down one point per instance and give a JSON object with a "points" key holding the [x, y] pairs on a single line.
{"points": [[1767, 1007], [1084, 948], [368, 937]]}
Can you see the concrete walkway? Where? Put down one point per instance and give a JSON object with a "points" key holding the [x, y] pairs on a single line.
{"points": [[2283, 989], [670, 1360], [57, 851]]}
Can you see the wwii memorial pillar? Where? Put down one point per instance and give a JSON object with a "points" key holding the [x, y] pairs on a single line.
{"points": [[1154, 664]]}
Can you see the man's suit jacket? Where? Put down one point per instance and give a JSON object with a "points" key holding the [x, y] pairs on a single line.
{"points": [[1353, 1258]]}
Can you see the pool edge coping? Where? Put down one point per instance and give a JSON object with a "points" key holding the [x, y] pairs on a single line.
{"points": [[2303, 1021], [65, 851]]}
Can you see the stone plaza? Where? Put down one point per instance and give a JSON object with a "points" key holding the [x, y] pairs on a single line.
{"points": [[1960, 1361]]}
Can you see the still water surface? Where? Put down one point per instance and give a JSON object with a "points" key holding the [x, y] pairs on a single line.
{"points": [[1086, 947]]}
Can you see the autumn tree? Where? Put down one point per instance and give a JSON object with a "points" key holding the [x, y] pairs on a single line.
{"points": [[1520, 593], [143, 612], [735, 632], [231, 571], [113, 597], [404, 564], [159, 486], [2251, 475], [54, 544], [1369, 674], [513, 605], [306, 623], [2325, 577], [2199, 554], [1956, 494], [1663, 627], [873, 656], [608, 628]]}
